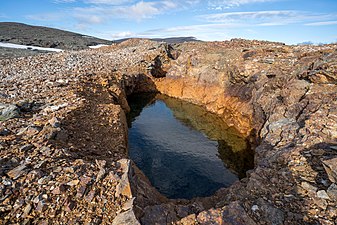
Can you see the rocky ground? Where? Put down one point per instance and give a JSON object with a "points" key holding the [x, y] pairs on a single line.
{"points": [[63, 134]]}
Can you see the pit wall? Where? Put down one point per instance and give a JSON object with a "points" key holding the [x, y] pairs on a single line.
{"points": [[282, 94], [234, 112], [212, 93]]}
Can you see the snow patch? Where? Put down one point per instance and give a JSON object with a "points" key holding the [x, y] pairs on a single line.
{"points": [[98, 46], [10, 45]]}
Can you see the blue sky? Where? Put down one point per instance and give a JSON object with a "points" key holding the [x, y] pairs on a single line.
{"points": [[289, 21]]}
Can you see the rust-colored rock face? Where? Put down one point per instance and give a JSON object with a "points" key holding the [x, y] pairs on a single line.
{"points": [[235, 112], [63, 130], [202, 74]]}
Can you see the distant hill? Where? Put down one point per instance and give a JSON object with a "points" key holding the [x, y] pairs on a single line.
{"points": [[23, 34], [170, 40], [18, 33]]}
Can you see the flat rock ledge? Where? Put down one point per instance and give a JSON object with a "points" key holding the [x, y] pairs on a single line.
{"points": [[63, 132]]}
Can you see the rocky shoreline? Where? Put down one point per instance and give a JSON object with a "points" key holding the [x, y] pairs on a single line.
{"points": [[63, 132]]}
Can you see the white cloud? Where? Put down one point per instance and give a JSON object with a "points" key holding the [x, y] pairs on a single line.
{"points": [[270, 24], [222, 4], [139, 11], [188, 4], [248, 16], [193, 28], [123, 34], [201, 31], [268, 18], [108, 2], [192, 2], [90, 19], [46, 16], [166, 3], [102, 11], [222, 26], [323, 23]]}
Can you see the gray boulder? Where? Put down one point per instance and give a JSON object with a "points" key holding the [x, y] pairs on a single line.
{"points": [[8, 111]]}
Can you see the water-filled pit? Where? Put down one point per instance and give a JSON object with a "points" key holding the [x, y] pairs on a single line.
{"points": [[184, 150]]}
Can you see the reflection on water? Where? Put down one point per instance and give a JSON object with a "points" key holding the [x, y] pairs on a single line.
{"points": [[184, 150]]}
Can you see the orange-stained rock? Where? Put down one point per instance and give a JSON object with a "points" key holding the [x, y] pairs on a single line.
{"points": [[124, 186], [234, 112], [188, 220]]}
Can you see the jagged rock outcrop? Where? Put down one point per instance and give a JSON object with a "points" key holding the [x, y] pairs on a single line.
{"points": [[59, 155], [284, 94]]}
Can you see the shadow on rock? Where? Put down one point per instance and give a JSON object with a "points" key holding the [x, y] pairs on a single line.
{"points": [[319, 180]]}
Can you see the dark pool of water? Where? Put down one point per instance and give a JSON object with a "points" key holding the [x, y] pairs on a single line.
{"points": [[185, 151]]}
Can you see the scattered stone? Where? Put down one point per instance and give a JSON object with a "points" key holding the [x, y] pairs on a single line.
{"points": [[332, 211], [325, 222], [55, 122], [56, 191], [320, 202], [188, 220], [126, 218], [26, 211], [40, 206], [36, 199], [332, 192], [26, 147], [6, 182], [73, 182], [83, 186], [90, 196], [30, 131], [159, 214], [128, 204], [25, 105], [182, 211], [48, 132], [234, 213], [8, 111], [322, 194], [4, 132], [101, 171], [255, 208], [214, 215], [55, 108], [16, 172], [334, 147], [270, 213], [124, 188], [68, 170], [308, 187], [61, 82], [330, 167], [318, 152]]}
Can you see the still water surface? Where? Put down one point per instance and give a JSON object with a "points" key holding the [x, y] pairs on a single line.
{"points": [[185, 151]]}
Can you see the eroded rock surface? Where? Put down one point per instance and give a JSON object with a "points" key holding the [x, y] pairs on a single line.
{"points": [[60, 152]]}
